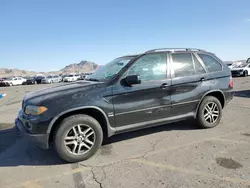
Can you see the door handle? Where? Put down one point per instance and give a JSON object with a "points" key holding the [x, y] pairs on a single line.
{"points": [[164, 86], [202, 79]]}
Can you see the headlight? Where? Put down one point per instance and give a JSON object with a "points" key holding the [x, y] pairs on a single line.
{"points": [[34, 110]]}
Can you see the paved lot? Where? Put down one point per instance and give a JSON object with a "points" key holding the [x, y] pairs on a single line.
{"points": [[174, 155]]}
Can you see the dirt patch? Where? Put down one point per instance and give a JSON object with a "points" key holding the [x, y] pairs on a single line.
{"points": [[228, 163], [246, 134]]}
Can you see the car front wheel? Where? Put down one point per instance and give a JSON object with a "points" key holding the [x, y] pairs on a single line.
{"points": [[209, 113], [78, 138]]}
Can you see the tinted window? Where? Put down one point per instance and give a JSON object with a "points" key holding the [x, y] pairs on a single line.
{"points": [[150, 67], [183, 64], [198, 67], [212, 64]]}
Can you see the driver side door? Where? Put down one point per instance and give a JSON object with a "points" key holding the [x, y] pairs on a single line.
{"points": [[148, 102]]}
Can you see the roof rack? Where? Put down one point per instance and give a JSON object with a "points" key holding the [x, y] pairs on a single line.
{"points": [[174, 50]]}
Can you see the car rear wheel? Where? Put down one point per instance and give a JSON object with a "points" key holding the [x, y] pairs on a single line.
{"points": [[209, 113], [78, 138]]}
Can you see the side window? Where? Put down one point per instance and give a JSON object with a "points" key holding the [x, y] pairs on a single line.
{"points": [[183, 64], [198, 67], [150, 67], [212, 64], [15, 78], [19, 78]]}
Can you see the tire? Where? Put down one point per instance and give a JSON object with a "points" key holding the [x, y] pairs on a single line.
{"points": [[245, 74], [66, 128], [203, 113]]}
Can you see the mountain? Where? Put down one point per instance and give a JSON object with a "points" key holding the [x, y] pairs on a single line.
{"points": [[82, 67], [229, 62]]}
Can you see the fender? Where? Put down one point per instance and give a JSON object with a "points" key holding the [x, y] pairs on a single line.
{"points": [[211, 91], [110, 130]]}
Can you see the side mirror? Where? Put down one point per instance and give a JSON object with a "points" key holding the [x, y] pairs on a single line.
{"points": [[132, 80]]}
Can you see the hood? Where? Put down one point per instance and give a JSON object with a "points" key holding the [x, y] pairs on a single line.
{"points": [[7, 81], [61, 90]]}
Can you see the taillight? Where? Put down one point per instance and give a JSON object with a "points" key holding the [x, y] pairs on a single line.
{"points": [[231, 84]]}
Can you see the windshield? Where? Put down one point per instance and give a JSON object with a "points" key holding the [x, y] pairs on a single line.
{"points": [[70, 75], [50, 77], [109, 70]]}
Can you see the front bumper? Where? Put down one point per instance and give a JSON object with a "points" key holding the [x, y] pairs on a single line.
{"points": [[42, 140], [237, 73]]}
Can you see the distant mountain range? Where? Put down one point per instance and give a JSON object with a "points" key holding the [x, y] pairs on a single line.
{"points": [[82, 67], [227, 62]]}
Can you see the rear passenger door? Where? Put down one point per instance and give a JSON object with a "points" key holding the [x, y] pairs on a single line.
{"points": [[190, 81]]}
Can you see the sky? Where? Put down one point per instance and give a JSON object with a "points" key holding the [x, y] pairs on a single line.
{"points": [[47, 35]]}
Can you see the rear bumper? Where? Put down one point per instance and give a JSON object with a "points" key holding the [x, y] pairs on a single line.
{"points": [[42, 140], [228, 96]]}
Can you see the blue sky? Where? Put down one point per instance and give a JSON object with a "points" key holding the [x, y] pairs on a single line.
{"points": [[46, 35]]}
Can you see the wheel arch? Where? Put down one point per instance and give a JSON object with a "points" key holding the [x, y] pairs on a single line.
{"points": [[215, 93], [92, 111]]}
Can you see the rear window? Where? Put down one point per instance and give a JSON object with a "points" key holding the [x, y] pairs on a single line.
{"points": [[211, 63], [183, 64]]}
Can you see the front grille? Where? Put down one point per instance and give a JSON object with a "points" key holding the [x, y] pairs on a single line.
{"points": [[235, 72]]}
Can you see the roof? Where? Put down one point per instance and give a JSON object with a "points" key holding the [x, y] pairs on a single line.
{"points": [[175, 50]]}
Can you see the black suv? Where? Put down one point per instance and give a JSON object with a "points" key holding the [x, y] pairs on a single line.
{"points": [[132, 92]]}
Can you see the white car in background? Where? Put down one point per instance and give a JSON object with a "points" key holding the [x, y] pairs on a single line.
{"points": [[240, 69], [13, 81], [51, 79], [71, 78]]}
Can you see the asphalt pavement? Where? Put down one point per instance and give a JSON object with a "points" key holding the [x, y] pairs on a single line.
{"points": [[173, 155]]}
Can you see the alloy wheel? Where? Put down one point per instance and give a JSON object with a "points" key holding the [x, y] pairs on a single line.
{"points": [[80, 139], [211, 112]]}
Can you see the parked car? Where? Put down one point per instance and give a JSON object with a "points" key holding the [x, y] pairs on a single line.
{"points": [[242, 69], [71, 78], [2, 83], [51, 79], [129, 93], [13, 81], [39, 79], [30, 80], [60, 78]]}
